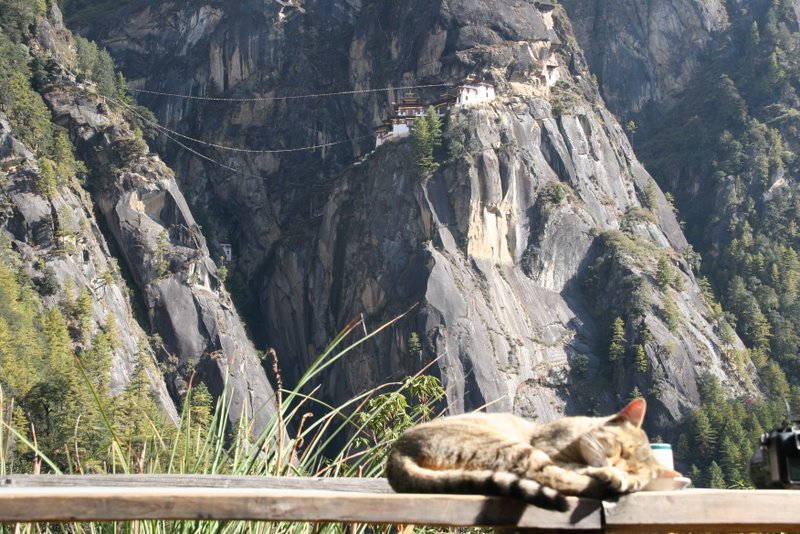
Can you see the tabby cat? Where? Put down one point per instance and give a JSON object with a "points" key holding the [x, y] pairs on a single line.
{"points": [[502, 454]]}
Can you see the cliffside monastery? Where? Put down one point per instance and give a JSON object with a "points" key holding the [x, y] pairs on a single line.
{"points": [[469, 92]]}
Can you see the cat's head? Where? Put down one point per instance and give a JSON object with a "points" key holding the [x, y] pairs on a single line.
{"points": [[619, 441]]}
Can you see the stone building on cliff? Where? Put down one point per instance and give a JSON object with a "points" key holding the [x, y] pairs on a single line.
{"points": [[471, 91]]}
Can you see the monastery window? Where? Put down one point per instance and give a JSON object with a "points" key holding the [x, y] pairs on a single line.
{"points": [[227, 251]]}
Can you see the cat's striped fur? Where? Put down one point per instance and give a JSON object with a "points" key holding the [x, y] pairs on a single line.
{"points": [[502, 454]]}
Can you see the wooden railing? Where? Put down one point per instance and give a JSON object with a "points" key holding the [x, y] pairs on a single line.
{"points": [[347, 500]]}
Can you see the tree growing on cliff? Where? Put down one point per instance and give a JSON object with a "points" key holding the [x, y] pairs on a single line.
{"points": [[665, 273], [617, 348], [17, 16], [640, 357], [426, 134]]}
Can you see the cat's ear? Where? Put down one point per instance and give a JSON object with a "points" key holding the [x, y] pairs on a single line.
{"points": [[632, 413]]}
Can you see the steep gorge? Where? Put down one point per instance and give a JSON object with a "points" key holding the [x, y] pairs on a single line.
{"points": [[537, 231]]}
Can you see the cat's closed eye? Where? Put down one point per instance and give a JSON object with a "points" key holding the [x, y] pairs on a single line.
{"points": [[614, 453]]}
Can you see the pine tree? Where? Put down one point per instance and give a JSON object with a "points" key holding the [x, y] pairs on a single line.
{"points": [[703, 433], [60, 358], [27, 113], [671, 312], [426, 134], [202, 404], [696, 475], [18, 16], [665, 273], [716, 479], [53, 404], [96, 363], [731, 460], [83, 314], [682, 447], [641, 359], [651, 195], [48, 181], [617, 348], [86, 56], [414, 345], [435, 126], [103, 74], [137, 415], [66, 165], [16, 374]]}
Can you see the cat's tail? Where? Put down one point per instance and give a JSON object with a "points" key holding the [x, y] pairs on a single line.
{"points": [[407, 476]]}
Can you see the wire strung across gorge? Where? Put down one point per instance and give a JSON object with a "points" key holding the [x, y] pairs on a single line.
{"points": [[160, 130], [166, 130], [172, 134], [289, 97]]}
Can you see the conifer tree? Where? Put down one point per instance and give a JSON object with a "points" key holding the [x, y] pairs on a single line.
{"points": [[18, 16], [426, 135], [83, 314], [48, 180], [716, 479], [201, 406], [696, 475], [704, 434], [414, 345], [671, 312], [617, 348], [651, 195], [731, 461], [640, 359], [137, 416], [665, 273]]}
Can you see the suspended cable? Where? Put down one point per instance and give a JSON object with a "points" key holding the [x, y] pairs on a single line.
{"points": [[170, 133], [246, 150], [289, 97], [167, 133], [162, 131]]}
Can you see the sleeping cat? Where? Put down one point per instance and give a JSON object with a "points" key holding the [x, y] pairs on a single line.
{"points": [[502, 454]]}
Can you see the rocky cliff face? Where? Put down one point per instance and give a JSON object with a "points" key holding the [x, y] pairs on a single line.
{"points": [[144, 210], [59, 243], [644, 53], [140, 261], [538, 229]]}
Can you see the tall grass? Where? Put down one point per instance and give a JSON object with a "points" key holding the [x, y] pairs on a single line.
{"points": [[305, 437]]}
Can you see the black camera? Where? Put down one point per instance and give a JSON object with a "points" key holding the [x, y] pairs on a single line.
{"points": [[776, 461]]}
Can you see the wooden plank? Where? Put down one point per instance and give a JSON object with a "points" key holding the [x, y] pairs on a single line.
{"points": [[112, 503], [366, 485], [705, 510]]}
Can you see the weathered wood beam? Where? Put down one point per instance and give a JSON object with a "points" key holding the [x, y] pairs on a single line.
{"points": [[43, 498], [701, 510], [365, 485], [119, 503]]}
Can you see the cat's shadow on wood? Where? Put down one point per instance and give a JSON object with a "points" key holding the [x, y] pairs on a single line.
{"points": [[511, 511]]}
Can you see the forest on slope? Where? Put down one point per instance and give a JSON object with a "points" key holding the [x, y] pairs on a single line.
{"points": [[725, 146], [46, 323]]}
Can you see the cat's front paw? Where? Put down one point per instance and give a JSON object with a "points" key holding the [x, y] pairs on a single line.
{"points": [[613, 479]]}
